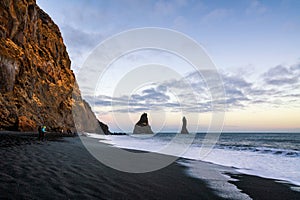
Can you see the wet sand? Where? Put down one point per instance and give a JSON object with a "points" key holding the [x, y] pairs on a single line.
{"points": [[61, 168], [263, 188]]}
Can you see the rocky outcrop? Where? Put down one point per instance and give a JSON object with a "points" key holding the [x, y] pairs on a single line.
{"points": [[184, 129], [142, 126], [37, 86]]}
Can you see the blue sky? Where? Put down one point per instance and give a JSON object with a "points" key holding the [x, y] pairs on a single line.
{"points": [[254, 44]]}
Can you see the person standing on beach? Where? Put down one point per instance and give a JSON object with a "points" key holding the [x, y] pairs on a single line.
{"points": [[42, 131]]}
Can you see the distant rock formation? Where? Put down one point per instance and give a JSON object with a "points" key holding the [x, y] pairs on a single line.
{"points": [[184, 129], [142, 126], [37, 86]]}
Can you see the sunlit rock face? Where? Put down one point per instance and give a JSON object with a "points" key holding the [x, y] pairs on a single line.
{"points": [[142, 126], [37, 85]]}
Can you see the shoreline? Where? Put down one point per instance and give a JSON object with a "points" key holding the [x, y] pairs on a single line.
{"points": [[65, 169], [73, 173], [264, 188]]}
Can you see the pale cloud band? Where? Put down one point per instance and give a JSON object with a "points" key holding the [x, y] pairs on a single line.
{"points": [[279, 86]]}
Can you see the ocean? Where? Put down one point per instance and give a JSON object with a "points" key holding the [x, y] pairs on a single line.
{"points": [[268, 155]]}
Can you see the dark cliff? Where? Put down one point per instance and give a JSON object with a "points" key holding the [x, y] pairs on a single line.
{"points": [[37, 85]]}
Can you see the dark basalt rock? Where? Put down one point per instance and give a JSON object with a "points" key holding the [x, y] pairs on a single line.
{"points": [[143, 120], [37, 86], [142, 126], [184, 124]]}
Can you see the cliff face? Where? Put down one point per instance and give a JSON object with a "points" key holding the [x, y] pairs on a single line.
{"points": [[37, 85]]}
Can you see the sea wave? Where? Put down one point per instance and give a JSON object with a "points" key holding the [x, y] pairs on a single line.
{"points": [[281, 164], [264, 150]]}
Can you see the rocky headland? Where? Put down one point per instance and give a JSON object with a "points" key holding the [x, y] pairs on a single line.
{"points": [[37, 85]]}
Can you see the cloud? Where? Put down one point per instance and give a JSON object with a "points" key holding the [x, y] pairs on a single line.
{"points": [[256, 7], [280, 86], [216, 15], [180, 23], [79, 43], [282, 81], [278, 71], [163, 7], [281, 75], [240, 93], [77, 38], [148, 99]]}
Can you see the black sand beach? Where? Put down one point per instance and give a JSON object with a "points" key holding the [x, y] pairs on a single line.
{"points": [[61, 168], [263, 188]]}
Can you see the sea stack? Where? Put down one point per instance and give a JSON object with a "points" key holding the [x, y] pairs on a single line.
{"points": [[184, 129], [37, 85], [142, 126]]}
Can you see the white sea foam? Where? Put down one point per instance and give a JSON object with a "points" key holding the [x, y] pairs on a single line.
{"points": [[265, 165], [268, 165], [215, 178]]}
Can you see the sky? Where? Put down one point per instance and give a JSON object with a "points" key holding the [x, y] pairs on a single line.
{"points": [[253, 44]]}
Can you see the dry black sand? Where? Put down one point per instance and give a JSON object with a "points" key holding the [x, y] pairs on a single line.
{"points": [[61, 168]]}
